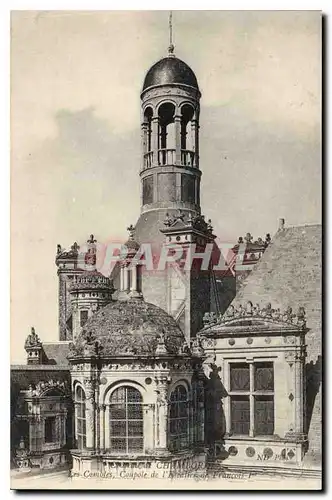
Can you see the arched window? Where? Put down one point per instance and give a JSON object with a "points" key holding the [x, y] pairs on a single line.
{"points": [[80, 418], [126, 420], [178, 419]]}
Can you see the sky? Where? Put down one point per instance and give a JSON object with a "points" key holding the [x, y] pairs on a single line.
{"points": [[76, 79]]}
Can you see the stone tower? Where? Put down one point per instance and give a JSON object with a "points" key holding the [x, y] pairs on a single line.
{"points": [[67, 262], [170, 178], [89, 290], [170, 175]]}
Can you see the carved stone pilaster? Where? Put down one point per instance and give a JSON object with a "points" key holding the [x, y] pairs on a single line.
{"points": [[162, 410], [89, 385]]}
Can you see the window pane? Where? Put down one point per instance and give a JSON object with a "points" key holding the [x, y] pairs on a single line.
{"points": [[126, 419], [240, 415], [182, 409], [182, 426], [118, 444], [135, 411], [240, 378], [118, 412], [133, 395], [264, 377], [135, 428], [178, 419], [264, 415], [118, 427], [119, 395], [135, 444]]}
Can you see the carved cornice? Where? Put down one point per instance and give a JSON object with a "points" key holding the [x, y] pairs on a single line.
{"points": [[250, 315]]}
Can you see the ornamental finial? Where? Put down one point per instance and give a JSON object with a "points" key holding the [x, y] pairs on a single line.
{"points": [[171, 46], [131, 230], [92, 239]]}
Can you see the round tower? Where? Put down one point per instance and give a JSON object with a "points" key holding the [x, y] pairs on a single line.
{"points": [[89, 291], [170, 175]]}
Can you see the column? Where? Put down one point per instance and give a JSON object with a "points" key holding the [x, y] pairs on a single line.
{"points": [[121, 278], [201, 414], [155, 138], [251, 399], [32, 434], [162, 404], [299, 394], [102, 427], [144, 143], [125, 278], [192, 419], [64, 425], [89, 413], [134, 279], [195, 141], [177, 124]]}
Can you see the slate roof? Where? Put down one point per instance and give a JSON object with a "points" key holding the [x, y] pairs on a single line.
{"points": [[130, 327], [56, 353], [289, 274]]}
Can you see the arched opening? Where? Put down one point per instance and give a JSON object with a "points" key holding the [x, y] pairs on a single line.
{"points": [[148, 113], [166, 134], [179, 419], [126, 420], [187, 139], [80, 413]]}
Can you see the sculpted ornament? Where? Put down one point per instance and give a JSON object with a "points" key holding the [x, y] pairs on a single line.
{"points": [[32, 339], [89, 385], [266, 313]]}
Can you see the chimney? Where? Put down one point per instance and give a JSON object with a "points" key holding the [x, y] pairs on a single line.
{"points": [[281, 224]]}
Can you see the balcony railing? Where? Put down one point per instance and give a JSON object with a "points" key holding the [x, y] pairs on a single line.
{"points": [[148, 157], [188, 158], [168, 157]]}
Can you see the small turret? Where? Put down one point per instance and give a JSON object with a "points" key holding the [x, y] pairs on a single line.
{"points": [[34, 348]]}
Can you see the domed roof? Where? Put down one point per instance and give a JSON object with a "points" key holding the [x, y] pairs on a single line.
{"points": [[132, 327], [170, 70]]}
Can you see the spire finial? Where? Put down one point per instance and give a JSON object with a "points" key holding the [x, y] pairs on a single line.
{"points": [[171, 46]]}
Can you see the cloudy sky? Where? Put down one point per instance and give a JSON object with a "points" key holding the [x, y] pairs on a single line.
{"points": [[75, 131]]}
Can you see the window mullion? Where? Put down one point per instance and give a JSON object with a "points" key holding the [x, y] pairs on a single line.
{"points": [[126, 410], [251, 401]]}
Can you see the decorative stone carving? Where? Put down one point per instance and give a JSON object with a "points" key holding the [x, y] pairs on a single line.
{"points": [[161, 347], [196, 347], [44, 386], [197, 222], [32, 340], [265, 313], [208, 343], [89, 385]]}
